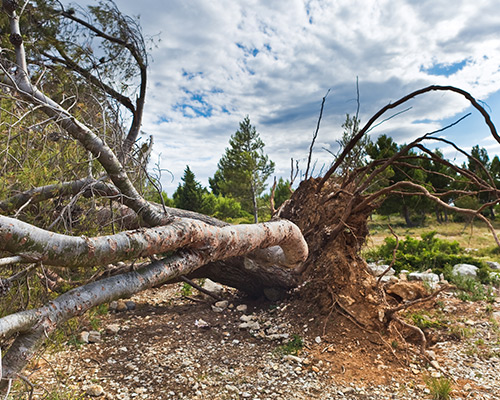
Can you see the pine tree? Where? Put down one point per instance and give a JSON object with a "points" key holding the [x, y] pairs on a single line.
{"points": [[244, 168], [189, 195]]}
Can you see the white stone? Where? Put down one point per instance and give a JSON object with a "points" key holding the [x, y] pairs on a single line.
{"points": [[222, 304], [378, 270], [200, 323], [465, 270], [429, 277], [213, 287], [242, 308]]}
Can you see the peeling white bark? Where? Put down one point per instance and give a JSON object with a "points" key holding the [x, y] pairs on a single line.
{"points": [[36, 244]]}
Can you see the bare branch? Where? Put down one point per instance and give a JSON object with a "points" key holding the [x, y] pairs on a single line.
{"points": [[315, 134], [404, 99]]}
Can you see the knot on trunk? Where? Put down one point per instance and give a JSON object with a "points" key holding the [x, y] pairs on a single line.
{"points": [[16, 39]]}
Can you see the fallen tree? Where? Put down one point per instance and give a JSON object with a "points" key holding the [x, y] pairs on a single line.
{"points": [[312, 243]]}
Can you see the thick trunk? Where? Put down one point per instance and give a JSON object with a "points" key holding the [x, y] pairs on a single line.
{"points": [[35, 244]]}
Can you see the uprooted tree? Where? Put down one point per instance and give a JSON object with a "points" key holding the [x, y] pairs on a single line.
{"points": [[53, 232]]}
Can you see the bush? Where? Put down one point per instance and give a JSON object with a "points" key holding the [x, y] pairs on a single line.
{"points": [[429, 252]]}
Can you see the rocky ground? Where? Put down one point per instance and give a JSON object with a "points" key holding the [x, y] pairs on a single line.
{"points": [[163, 345]]}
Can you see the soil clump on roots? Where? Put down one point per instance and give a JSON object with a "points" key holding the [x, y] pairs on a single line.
{"points": [[335, 276]]}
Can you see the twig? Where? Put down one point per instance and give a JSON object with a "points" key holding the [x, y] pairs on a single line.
{"points": [[393, 257], [199, 288]]}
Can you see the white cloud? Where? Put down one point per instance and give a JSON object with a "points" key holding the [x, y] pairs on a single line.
{"points": [[275, 60]]}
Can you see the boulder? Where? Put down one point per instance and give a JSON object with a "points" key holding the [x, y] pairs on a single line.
{"points": [[465, 270]]}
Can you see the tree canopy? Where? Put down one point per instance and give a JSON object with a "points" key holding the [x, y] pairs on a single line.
{"points": [[244, 168]]}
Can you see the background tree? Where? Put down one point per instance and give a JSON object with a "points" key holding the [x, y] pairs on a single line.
{"points": [[189, 194], [244, 168], [356, 158]]}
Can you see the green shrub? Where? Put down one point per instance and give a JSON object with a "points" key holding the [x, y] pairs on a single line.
{"points": [[428, 252]]}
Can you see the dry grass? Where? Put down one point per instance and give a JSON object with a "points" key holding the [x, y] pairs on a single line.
{"points": [[470, 236]]}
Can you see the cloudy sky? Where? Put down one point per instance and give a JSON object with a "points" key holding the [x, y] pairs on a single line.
{"points": [[274, 60]]}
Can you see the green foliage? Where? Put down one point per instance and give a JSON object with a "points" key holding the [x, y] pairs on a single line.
{"points": [[417, 255], [440, 388], [293, 346], [244, 168], [424, 320], [470, 289], [186, 289], [189, 194], [357, 156], [224, 208], [281, 192]]}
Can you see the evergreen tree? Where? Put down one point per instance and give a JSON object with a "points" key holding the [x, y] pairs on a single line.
{"points": [[189, 195], [244, 168], [357, 156]]}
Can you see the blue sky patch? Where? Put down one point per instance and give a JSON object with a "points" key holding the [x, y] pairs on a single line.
{"points": [[443, 69], [194, 106]]}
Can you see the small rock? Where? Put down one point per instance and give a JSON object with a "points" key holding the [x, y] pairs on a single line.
{"points": [[217, 309], [95, 390], [213, 287], [130, 305], [83, 337], [493, 265], [200, 323], [407, 291], [121, 306], [113, 305], [222, 304], [94, 336], [113, 329], [435, 364], [253, 325], [348, 390], [247, 318], [465, 270], [242, 308], [317, 339], [290, 357], [429, 277], [378, 270], [231, 388]]}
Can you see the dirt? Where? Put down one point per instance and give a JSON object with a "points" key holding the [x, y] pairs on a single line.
{"points": [[159, 352]]}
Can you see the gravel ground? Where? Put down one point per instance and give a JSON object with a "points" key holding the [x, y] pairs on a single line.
{"points": [[165, 346]]}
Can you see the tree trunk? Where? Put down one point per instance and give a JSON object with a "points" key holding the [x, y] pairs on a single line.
{"points": [[254, 202], [406, 215]]}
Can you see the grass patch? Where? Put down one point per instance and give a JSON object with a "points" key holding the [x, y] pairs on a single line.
{"points": [[293, 346], [440, 388]]}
